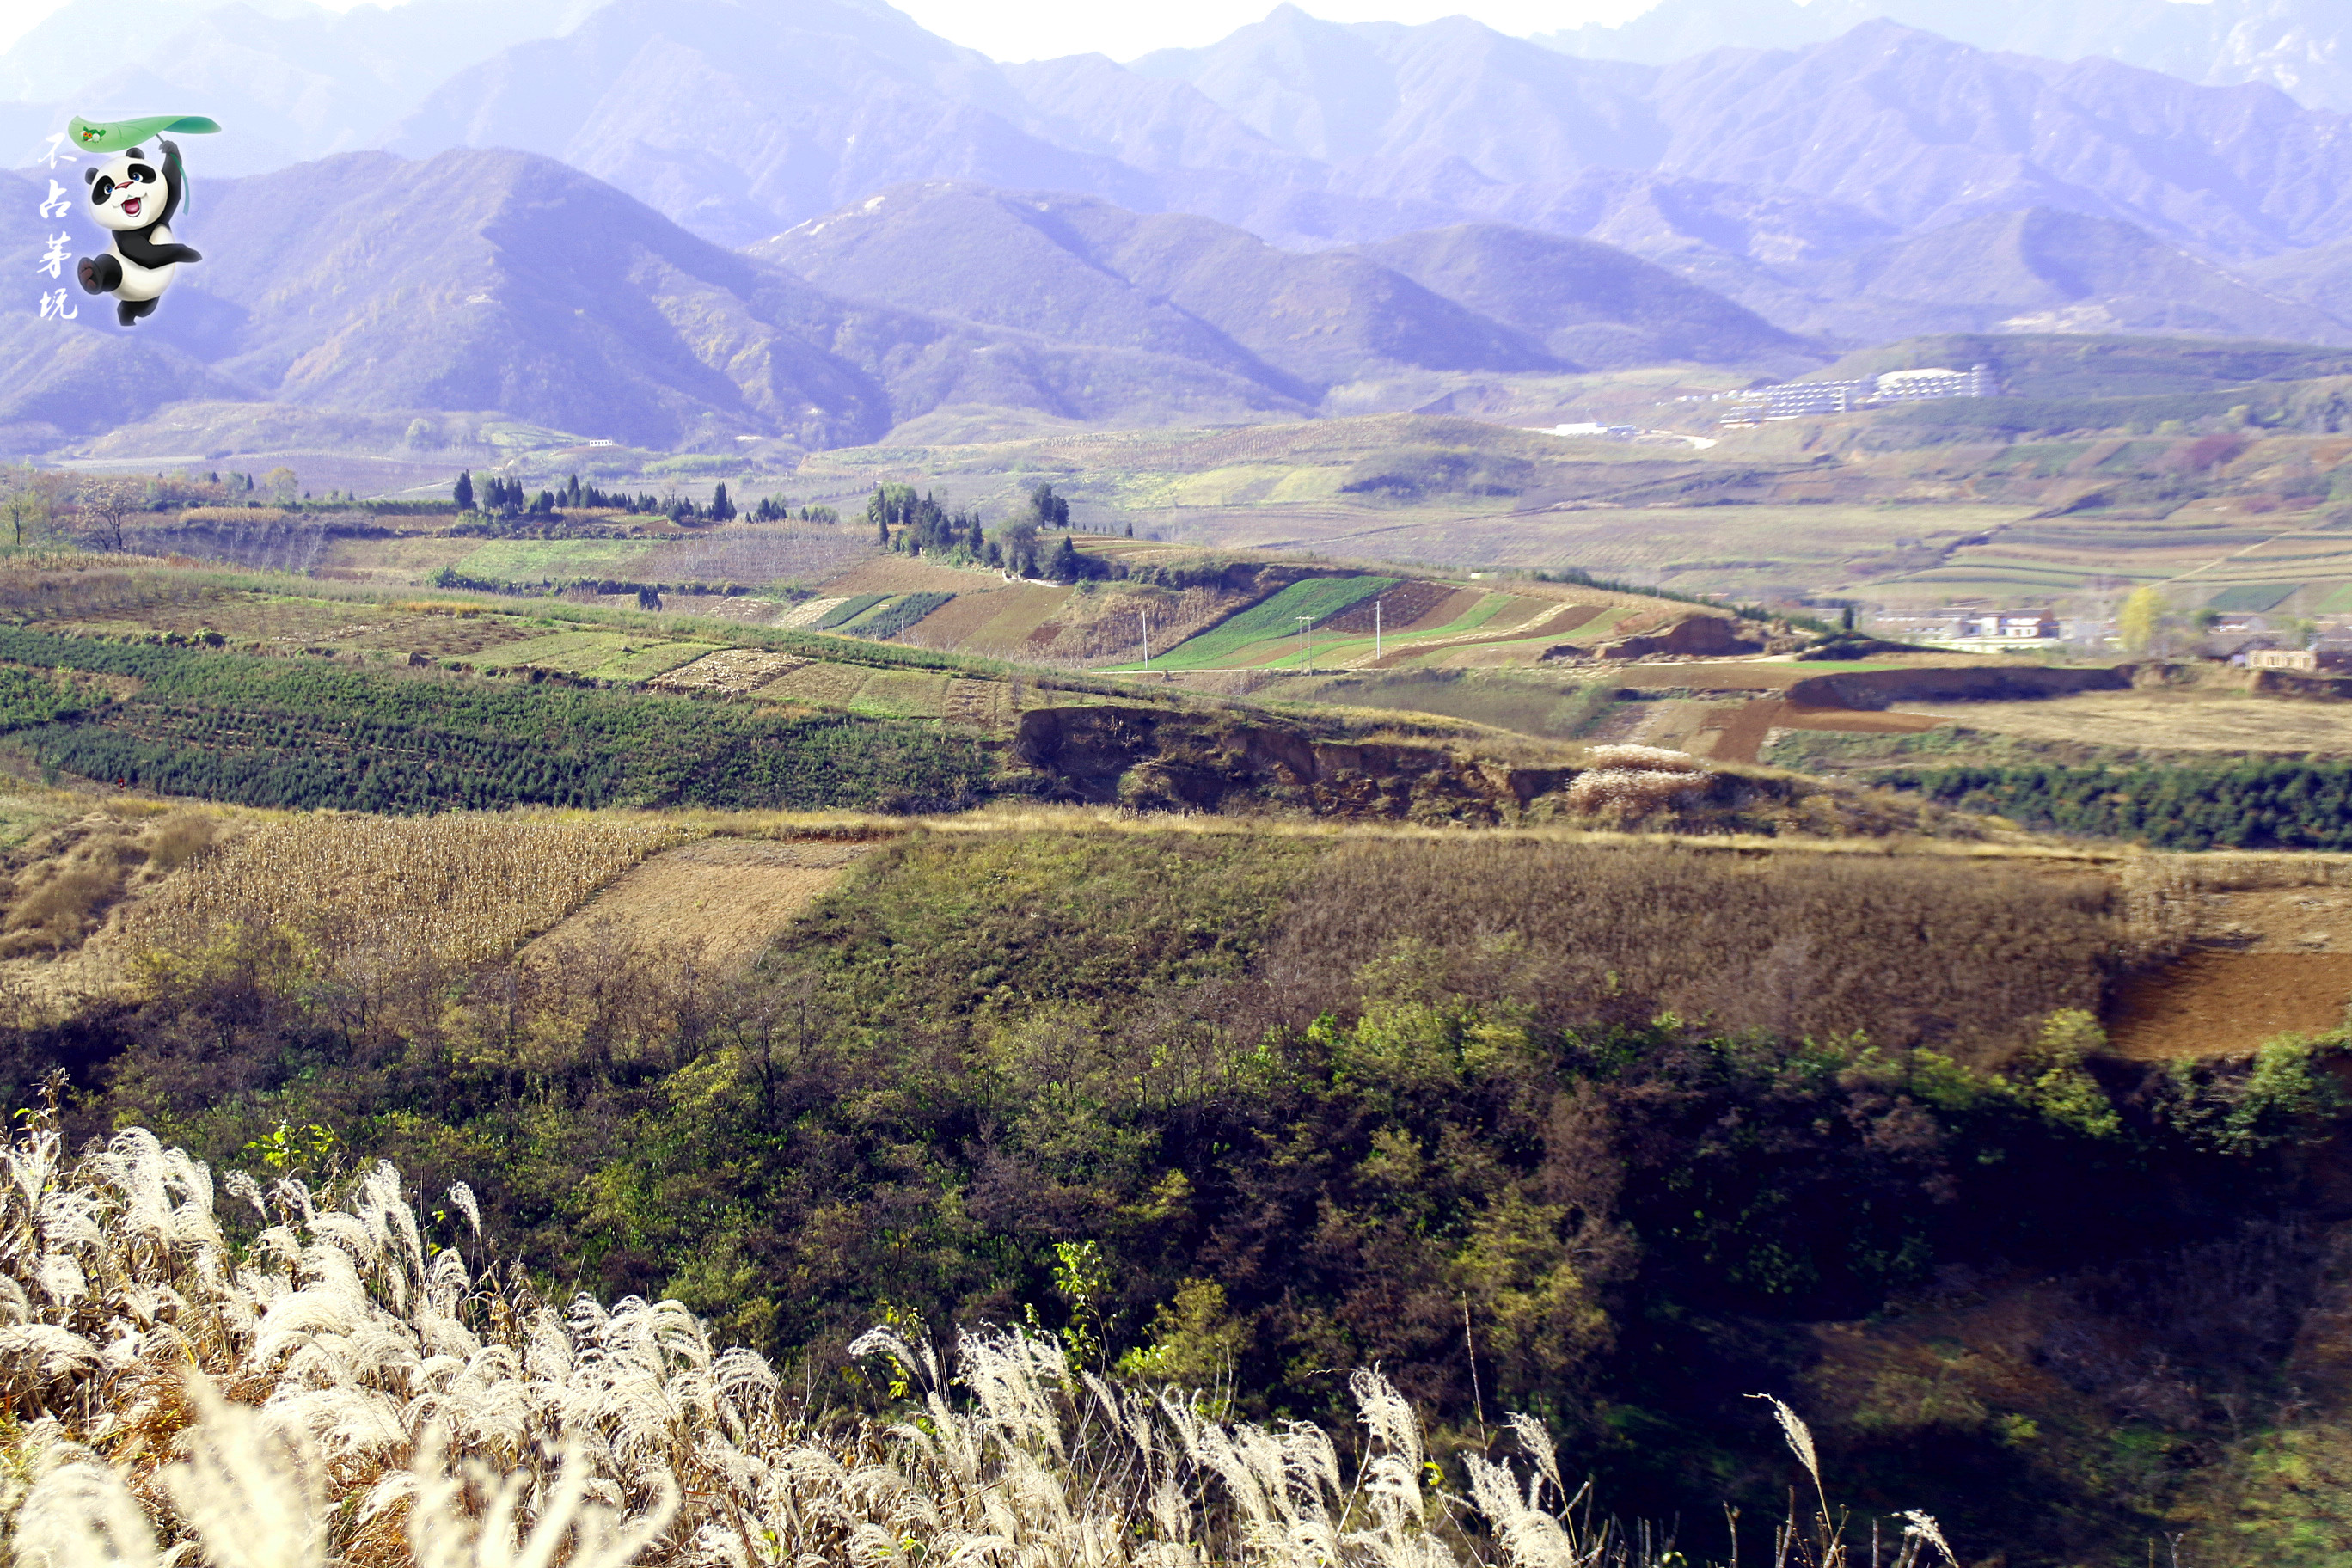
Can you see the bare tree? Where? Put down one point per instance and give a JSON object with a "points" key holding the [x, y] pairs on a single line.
{"points": [[104, 505], [29, 499]]}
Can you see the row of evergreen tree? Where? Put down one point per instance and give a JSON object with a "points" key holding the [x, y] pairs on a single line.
{"points": [[507, 498]]}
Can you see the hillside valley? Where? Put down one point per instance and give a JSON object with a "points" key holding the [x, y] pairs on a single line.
{"points": [[1449, 917], [1369, 795]]}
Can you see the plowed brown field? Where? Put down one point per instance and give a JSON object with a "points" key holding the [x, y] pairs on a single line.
{"points": [[2208, 1004]]}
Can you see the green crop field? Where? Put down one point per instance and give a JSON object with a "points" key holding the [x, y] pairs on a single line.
{"points": [[2252, 596], [538, 560], [848, 610], [1270, 620], [572, 652], [297, 732], [647, 662], [888, 619], [605, 655]]}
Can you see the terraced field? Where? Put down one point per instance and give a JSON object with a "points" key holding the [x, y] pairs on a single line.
{"points": [[534, 559], [1259, 634], [605, 655]]}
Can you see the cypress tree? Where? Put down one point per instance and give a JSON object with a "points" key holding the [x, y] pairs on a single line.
{"points": [[465, 490]]}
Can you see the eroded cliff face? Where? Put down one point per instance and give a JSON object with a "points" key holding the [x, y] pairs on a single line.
{"points": [[1157, 761]]}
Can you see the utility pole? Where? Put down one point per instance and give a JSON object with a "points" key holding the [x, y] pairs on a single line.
{"points": [[1376, 631], [1304, 622], [1145, 616]]}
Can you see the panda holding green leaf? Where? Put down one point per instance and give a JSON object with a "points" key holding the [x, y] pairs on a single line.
{"points": [[135, 195]]}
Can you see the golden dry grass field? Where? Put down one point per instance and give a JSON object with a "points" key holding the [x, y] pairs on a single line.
{"points": [[718, 903], [2188, 721]]}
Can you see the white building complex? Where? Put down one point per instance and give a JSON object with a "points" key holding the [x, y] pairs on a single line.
{"points": [[1799, 399]]}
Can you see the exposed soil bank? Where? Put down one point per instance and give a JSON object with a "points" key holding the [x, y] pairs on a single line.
{"points": [[1152, 759]]}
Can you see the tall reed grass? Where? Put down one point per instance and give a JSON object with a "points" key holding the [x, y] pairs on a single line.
{"points": [[338, 1387]]}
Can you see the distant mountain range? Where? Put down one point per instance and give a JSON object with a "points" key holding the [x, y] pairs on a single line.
{"points": [[823, 220], [2296, 46], [502, 281]]}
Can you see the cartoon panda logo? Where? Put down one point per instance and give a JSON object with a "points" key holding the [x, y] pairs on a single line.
{"points": [[135, 197]]}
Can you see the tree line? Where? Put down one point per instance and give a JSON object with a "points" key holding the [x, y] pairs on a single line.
{"points": [[913, 524]]}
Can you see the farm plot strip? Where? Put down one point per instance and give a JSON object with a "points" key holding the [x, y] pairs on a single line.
{"points": [[281, 732]]}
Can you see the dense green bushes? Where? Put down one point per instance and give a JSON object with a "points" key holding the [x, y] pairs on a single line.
{"points": [[301, 732], [2247, 805]]}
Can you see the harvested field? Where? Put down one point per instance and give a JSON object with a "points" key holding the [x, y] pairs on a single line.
{"points": [[392, 560], [808, 612], [898, 575], [744, 609], [730, 672], [2210, 1004], [2192, 721], [982, 704], [721, 900], [539, 560], [999, 621], [959, 622], [827, 684]]}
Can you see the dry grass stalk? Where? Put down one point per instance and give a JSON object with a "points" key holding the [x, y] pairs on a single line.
{"points": [[338, 1388]]}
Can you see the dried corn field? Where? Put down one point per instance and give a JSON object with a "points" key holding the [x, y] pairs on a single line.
{"points": [[460, 889], [338, 1387]]}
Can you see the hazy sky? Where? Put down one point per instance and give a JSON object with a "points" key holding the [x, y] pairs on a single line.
{"points": [[1035, 29]]}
